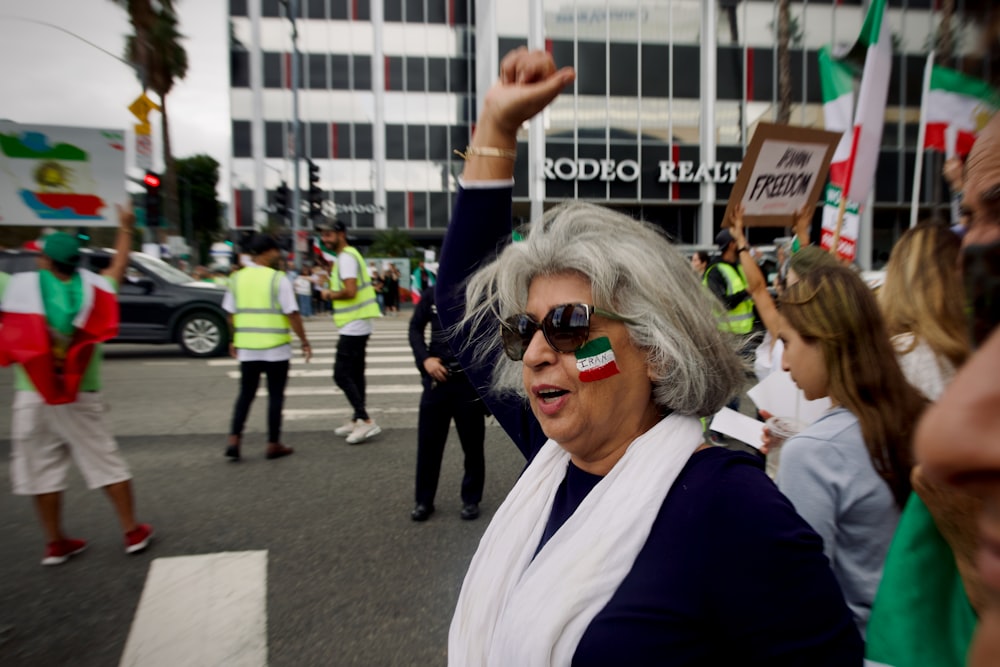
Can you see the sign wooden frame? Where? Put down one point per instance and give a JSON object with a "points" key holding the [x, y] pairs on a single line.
{"points": [[771, 134]]}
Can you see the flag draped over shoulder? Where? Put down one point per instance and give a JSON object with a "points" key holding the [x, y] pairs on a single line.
{"points": [[959, 101], [25, 337]]}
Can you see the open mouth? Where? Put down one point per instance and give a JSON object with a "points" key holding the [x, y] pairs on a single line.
{"points": [[551, 395]]}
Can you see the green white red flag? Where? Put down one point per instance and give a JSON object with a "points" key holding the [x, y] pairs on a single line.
{"points": [[596, 360], [957, 101], [852, 170]]}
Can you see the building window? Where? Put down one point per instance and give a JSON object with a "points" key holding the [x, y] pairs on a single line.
{"points": [[416, 138], [241, 138], [316, 9], [459, 76], [414, 11], [270, 8], [339, 10], [437, 11], [397, 210], [273, 71], [319, 140], [437, 143], [415, 80], [237, 7], [624, 81], [437, 75], [362, 10], [363, 142], [239, 69], [394, 73], [340, 72], [362, 67], [274, 139], [393, 10], [316, 62], [394, 146]]}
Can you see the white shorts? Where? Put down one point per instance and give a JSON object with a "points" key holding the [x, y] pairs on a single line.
{"points": [[46, 436]]}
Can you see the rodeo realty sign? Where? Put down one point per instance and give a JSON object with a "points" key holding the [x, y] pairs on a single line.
{"points": [[784, 170], [627, 171]]}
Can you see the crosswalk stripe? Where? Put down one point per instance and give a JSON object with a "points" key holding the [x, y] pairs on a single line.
{"points": [[201, 611], [333, 391], [371, 352], [369, 372], [301, 413], [299, 361]]}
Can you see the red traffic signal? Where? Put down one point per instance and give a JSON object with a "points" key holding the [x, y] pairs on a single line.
{"points": [[151, 180]]}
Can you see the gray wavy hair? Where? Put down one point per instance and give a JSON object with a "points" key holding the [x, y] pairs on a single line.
{"points": [[633, 271]]}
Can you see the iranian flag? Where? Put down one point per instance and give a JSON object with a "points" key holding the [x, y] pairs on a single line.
{"points": [[55, 371], [596, 360], [957, 101], [852, 171]]}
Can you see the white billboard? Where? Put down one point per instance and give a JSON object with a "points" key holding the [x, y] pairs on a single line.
{"points": [[58, 176]]}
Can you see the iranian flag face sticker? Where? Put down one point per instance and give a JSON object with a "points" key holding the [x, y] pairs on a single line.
{"points": [[596, 360]]}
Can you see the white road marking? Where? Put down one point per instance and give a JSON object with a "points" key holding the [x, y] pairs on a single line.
{"points": [[165, 363], [325, 373], [333, 391], [299, 361], [201, 611], [293, 415]]}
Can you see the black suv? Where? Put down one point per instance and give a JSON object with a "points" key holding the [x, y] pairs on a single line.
{"points": [[159, 304]]}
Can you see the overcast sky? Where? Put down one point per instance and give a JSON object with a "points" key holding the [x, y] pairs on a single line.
{"points": [[48, 77]]}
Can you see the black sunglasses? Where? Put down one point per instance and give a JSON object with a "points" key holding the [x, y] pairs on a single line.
{"points": [[566, 328]]}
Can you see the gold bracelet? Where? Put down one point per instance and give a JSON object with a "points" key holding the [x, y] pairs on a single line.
{"points": [[487, 151]]}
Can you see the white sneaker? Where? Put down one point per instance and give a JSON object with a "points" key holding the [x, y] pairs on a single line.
{"points": [[346, 429], [362, 431]]}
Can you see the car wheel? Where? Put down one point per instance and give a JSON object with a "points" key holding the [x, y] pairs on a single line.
{"points": [[202, 335]]}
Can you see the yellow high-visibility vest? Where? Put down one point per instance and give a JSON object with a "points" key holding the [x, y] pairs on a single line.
{"points": [[739, 320], [259, 322], [364, 305]]}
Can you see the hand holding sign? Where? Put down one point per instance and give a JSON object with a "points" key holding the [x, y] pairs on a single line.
{"points": [[782, 174]]}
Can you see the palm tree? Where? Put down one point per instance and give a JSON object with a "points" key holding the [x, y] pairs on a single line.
{"points": [[784, 64], [159, 58]]}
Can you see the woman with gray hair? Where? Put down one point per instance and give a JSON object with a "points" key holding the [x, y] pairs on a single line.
{"points": [[626, 539]]}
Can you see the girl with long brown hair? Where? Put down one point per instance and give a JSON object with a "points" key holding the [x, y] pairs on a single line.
{"points": [[848, 474]]}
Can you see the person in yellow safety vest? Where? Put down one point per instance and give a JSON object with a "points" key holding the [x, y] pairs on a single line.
{"points": [[262, 307], [355, 305], [729, 284]]}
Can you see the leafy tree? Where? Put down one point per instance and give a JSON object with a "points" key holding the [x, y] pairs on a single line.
{"points": [[155, 50], [200, 210], [391, 243]]}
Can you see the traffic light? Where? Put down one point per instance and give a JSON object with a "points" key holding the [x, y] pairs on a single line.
{"points": [[281, 200], [152, 183], [315, 192]]}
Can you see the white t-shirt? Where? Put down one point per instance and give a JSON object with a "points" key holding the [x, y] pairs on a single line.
{"points": [[347, 267], [303, 285], [286, 297]]}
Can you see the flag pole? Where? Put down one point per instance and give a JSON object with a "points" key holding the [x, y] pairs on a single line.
{"points": [[918, 167]]}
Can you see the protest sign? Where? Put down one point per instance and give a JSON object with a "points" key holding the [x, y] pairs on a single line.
{"points": [[784, 170]]}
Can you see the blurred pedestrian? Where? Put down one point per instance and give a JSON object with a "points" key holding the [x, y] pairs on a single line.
{"points": [[262, 306], [391, 289], [354, 308], [303, 286], [447, 395], [699, 262], [53, 322]]}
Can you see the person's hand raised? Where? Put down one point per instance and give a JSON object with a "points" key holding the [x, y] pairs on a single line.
{"points": [[528, 83]]}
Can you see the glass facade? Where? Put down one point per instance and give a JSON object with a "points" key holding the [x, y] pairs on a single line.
{"points": [[627, 134]]}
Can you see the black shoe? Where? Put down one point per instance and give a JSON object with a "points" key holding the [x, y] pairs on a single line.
{"points": [[422, 512], [470, 511]]}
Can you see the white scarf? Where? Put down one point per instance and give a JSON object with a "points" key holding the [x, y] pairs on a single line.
{"points": [[520, 609]]}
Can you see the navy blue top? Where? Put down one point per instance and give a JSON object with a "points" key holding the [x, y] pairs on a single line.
{"points": [[730, 574]]}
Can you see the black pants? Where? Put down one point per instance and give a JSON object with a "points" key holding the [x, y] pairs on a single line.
{"points": [[440, 403], [349, 372], [277, 378]]}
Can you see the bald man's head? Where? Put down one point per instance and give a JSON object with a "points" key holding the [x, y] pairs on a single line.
{"points": [[981, 194]]}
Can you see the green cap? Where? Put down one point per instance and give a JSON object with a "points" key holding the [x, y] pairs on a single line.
{"points": [[62, 247]]}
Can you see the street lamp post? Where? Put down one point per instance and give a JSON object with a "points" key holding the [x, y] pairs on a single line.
{"points": [[292, 10]]}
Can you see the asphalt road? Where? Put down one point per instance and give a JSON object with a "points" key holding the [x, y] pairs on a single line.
{"points": [[351, 580]]}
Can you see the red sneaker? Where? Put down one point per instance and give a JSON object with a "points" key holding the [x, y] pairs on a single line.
{"points": [[138, 538], [57, 553]]}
